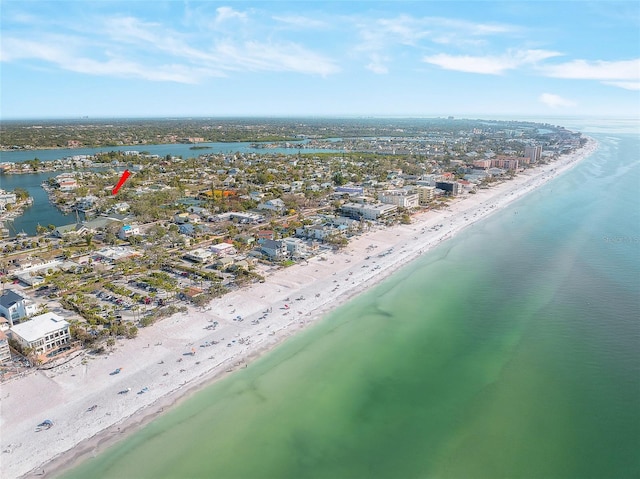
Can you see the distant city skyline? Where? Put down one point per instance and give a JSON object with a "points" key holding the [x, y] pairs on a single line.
{"points": [[215, 59]]}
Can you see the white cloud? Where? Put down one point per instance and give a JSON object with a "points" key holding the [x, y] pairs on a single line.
{"points": [[380, 37], [555, 101], [224, 14], [65, 56], [124, 46], [627, 85], [596, 70], [274, 57], [490, 64], [377, 64], [300, 22]]}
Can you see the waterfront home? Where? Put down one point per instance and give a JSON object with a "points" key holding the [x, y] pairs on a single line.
{"points": [[99, 223], [73, 229], [399, 198], [274, 250], [66, 182], [6, 198], [15, 306], [316, 232], [224, 263], [368, 211], [296, 247], [426, 194], [450, 188], [85, 203], [44, 333]]}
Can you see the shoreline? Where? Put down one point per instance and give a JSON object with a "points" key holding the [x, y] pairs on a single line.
{"points": [[326, 284]]}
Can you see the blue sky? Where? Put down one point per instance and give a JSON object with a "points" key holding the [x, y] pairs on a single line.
{"points": [[308, 58]]}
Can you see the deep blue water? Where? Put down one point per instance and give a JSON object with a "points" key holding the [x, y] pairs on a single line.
{"points": [[174, 149]]}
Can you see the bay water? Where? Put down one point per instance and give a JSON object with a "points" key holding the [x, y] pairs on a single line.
{"points": [[509, 351]]}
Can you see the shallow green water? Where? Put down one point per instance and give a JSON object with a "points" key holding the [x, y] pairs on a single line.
{"points": [[510, 351]]}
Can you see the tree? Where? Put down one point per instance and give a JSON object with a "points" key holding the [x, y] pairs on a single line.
{"points": [[21, 194], [338, 178], [132, 331]]}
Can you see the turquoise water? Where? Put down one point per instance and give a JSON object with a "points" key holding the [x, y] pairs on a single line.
{"points": [[512, 350]]}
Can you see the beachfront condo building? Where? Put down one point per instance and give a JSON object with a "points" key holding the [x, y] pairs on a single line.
{"points": [[400, 198], [426, 194], [44, 333], [368, 211], [451, 188], [534, 153]]}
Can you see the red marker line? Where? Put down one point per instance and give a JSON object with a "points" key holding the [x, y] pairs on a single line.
{"points": [[123, 178]]}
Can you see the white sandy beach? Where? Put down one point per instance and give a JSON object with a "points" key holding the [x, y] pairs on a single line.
{"points": [[158, 359]]}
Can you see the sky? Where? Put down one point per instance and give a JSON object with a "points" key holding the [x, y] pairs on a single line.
{"points": [[106, 59]]}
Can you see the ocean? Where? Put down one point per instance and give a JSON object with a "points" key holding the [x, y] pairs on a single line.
{"points": [[509, 351]]}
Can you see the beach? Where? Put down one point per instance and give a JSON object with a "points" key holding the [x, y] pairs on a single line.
{"points": [[177, 355]]}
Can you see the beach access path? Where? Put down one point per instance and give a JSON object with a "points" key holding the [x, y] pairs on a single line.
{"points": [[182, 353]]}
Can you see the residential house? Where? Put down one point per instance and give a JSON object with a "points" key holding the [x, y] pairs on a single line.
{"points": [[274, 250], [275, 205], [85, 203], [224, 263], [6, 198], [223, 249], [199, 255], [121, 207], [30, 279], [66, 182], [117, 253], [15, 307], [316, 232], [127, 231], [266, 234], [245, 239], [74, 229], [296, 248], [44, 333], [181, 218]]}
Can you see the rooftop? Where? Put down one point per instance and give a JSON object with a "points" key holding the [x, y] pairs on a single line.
{"points": [[39, 326], [9, 298]]}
